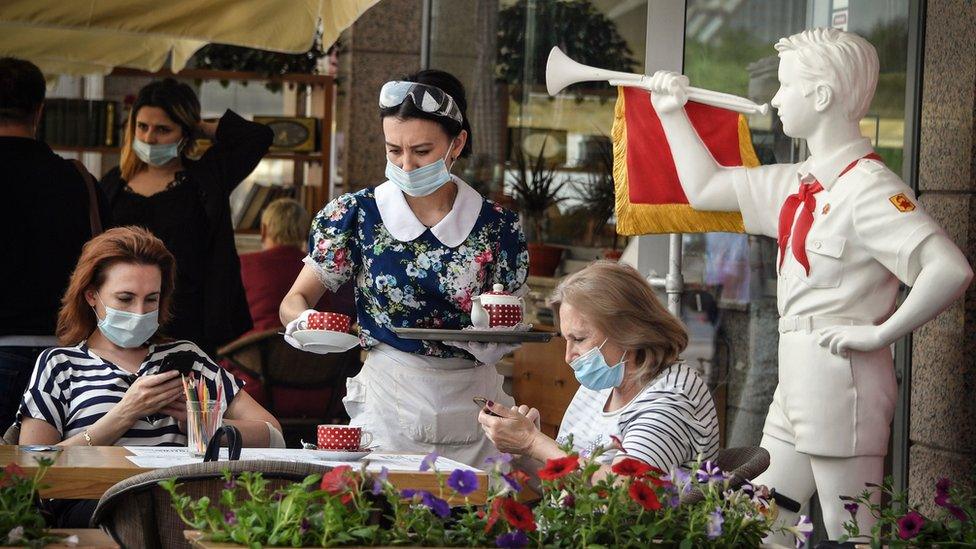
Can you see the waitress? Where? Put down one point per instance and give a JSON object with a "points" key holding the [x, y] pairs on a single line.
{"points": [[419, 247]]}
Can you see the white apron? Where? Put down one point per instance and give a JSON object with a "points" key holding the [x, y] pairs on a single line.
{"points": [[419, 404]]}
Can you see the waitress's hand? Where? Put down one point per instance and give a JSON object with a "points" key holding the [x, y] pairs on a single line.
{"points": [[485, 353], [299, 323], [510, 430]]}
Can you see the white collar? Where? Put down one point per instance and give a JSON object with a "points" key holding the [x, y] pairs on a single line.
{"points": [[451, 231], [828, 170]]}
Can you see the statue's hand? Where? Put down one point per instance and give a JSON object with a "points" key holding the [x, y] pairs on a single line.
{"points": [[669, 91], [841, 339]]}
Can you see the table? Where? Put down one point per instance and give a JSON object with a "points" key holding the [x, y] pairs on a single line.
{"points": [[87, 472], [88, 538]]}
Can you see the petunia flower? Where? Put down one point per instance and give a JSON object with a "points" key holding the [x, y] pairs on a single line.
{"points": [[379, 480], [512, 483], [560, 467], [910, 525], [230, 484], [499, 460], [13, 470], [230, 518], [644, 495], [305, 526], [957, 512], [942, 486], [710, 472], [335, 481], [513, 539], [851, 508], [518, 515], [463, 482], [438, 506], [428, 462], [630, 467], [715, 521], [801, 531], [15, 535]]}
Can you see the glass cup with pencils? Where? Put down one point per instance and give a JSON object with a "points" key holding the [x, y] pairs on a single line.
{"points": [[204, 412]]}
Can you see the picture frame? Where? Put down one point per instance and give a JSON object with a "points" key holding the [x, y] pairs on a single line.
{"points": [[291, 133]]}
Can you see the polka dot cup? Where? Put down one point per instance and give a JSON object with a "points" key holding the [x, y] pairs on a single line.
{"points": [[333, 322], [342, 437]]}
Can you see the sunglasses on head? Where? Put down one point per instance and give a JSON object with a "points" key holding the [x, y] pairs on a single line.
{"points": [[429, 99]]}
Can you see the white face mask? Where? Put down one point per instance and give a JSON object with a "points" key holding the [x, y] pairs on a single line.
{"points": [[420, 181], [125, 329], [155, 155]]}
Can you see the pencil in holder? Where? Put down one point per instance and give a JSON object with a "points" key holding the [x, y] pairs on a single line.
{"points": [[202, 421]]}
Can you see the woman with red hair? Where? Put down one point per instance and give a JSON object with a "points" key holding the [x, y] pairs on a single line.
{"points": [[104, 387]]}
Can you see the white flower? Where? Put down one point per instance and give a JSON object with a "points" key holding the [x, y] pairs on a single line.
{"points": [[423, 261], [412, 270], [15, 534], [71, 540], [802, 530], [396, 295]]}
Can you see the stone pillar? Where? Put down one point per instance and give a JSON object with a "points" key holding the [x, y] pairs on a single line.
{"points": [[381, 45], [943, 407]]}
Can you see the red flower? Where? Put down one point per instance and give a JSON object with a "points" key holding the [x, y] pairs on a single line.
{"points": [[337, 481], [558, 468], [630, 467], [644, 495], [496, 505], [14, 470], [518, 515], [910, 525]]}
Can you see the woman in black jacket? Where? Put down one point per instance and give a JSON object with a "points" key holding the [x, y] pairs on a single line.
{"points": [[185, 203]]}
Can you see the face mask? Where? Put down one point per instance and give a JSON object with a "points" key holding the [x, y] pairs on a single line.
{"points": [[420, 181], [155, 155], [125, 329], [593, 372]]}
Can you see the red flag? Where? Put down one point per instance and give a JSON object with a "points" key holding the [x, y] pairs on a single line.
{"points": [[649, 195]]}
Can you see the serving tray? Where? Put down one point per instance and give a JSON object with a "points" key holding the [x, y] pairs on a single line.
{"points": [[484, 336]]}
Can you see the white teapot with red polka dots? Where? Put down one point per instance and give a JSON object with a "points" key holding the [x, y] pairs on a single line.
{"points": [[496, 308]]}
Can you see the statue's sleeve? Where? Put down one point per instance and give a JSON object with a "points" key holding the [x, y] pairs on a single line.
{"points": [[761, 192]]}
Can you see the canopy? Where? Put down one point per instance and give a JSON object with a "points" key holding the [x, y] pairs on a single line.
{"points": [[93, 36]]}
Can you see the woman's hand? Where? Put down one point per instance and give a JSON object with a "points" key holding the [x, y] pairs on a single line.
{"points": [[150, 394], [177, 410], [512, 430]]}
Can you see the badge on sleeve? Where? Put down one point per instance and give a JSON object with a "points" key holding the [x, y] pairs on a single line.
{"points": [[902, 202]]}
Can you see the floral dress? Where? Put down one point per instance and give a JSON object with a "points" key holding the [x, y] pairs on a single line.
{"points": [[422, 282]]}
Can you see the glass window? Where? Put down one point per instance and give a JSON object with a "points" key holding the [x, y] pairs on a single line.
{"points": [[499, 48]]}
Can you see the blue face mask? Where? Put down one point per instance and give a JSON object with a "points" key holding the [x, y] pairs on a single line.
{"points": [[155, 155], [420, 181], [593, 372], [125, 329]]}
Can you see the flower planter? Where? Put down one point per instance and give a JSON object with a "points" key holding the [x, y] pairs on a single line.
{"points": [[195, 537], [544, 259]]}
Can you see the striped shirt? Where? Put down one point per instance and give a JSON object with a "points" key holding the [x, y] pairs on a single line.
{"points": [[72, 388], [671, 422]]}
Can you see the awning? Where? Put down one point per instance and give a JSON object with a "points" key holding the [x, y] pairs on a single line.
{"points": [[94, 36]]}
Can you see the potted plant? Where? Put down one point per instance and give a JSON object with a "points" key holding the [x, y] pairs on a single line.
{"points": [[536, 191], [899, 524], [21, 522], [598, 195], [632, 507]]}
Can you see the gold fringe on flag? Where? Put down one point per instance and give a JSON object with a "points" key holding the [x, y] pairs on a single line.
{"points": [[636, 219]]}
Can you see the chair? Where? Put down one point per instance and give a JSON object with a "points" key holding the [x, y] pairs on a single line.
{"points": [[137, 512], [745, 464], [303, 389], [11, 435]]}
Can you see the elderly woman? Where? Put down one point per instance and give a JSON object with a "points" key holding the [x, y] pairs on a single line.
{"points": [[623, 347]]}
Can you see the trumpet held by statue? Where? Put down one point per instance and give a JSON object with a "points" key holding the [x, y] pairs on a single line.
{"points": [[561, 71]]}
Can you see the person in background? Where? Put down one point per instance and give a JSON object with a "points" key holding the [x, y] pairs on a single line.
{"points": [[104, 386], [623, 347], [185, 203], [268, 275], [50, 211], [419, 246]]}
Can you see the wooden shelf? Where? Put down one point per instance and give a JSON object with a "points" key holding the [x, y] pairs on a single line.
{"points": [[301, 157]]}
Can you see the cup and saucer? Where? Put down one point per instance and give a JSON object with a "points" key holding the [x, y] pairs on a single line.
{"points": [[342, 443], [326, 332]]}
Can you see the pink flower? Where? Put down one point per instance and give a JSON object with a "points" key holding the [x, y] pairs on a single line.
{"points": [[910, 525]]}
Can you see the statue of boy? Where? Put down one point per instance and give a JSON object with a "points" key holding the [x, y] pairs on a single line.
{"points": [[848, 231]]}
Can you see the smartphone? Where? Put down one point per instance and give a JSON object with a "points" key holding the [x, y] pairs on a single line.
{"points": [[181, 361], [482, 402]]}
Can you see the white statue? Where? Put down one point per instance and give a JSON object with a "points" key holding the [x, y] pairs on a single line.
{"points": [[848, 230]]}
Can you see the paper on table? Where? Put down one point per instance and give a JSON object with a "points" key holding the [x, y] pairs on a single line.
{"points": [[159, 457]]}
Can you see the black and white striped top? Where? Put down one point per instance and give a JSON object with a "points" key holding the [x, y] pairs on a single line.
{"points": [[72, 388], [671, 422]]}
